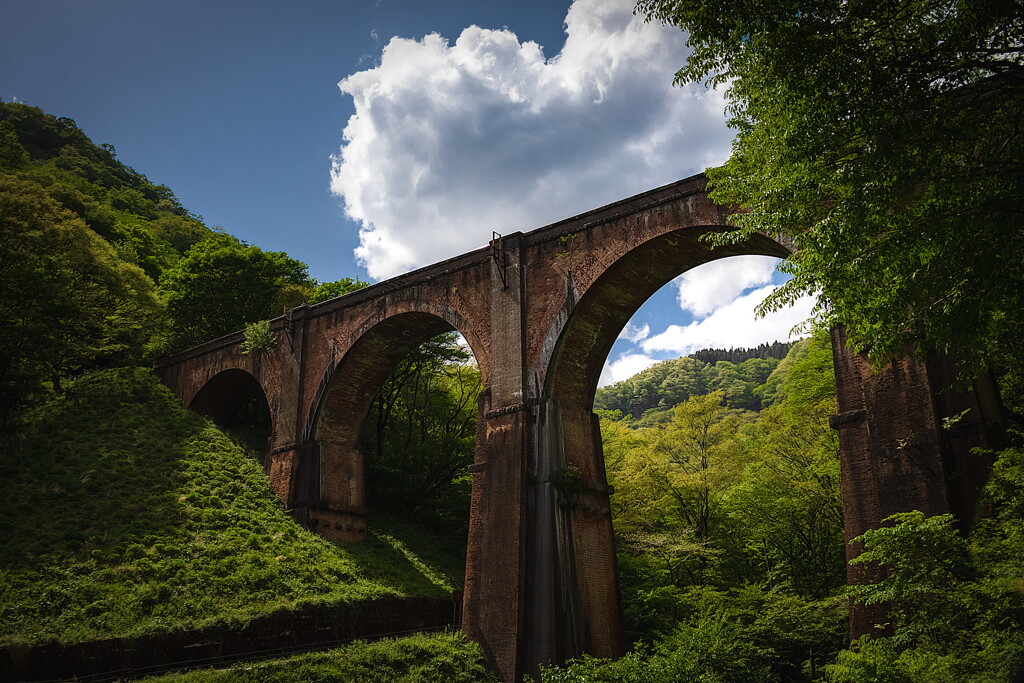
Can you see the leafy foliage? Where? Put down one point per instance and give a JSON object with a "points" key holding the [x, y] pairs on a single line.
{"points": [[330, 290], [700, 460], [69, 302], [221, 284], [790, 501], [652, 392], [723, 499], [957, 605], [258, 338], [420, 435], [752, 636], [78, 256], [883, 139]]}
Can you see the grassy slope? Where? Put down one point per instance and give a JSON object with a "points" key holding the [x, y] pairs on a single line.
{"points": [[124, 514]]}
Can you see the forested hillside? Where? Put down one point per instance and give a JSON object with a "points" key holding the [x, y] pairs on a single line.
{"points": [[729, 528], [729, 520], [741, 374], [124, 514], [103, 268]]}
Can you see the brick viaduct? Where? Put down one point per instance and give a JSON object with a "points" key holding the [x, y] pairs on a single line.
{"points": [[540, 312]]}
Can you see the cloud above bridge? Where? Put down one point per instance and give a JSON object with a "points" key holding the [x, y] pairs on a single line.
{"points": [[450, 141]]}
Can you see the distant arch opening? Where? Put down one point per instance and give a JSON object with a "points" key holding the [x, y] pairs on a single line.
{"points": [[235, 401], [585, 341], [420, 433]]}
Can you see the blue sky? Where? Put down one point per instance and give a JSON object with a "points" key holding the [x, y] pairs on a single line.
{"points": [[453, 119]]}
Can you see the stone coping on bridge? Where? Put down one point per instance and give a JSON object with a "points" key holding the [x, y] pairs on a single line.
{"points": [[624, 207], [566, 226]]}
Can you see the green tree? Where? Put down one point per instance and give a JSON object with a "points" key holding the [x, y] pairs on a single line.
{"points": [[956, 604], [752, 636], [221, 284], [883, 138], [69, 302], [421, 432], [12, 154], [728, 378], [701, 460], [180, 232], [258, 338], [789, 504], [763, 490], [687, 378], [331, 290], [671, 481]]}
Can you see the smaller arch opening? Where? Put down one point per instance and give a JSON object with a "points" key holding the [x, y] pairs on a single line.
{"points": [[236, 402], [419, 436], [391, 443]]}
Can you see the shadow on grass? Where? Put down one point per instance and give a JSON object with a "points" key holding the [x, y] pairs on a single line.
{"points": [[92, 468], [408, 557]]}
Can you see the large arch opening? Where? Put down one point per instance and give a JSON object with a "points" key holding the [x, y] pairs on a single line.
{"points": [[678, 533], [236, 402], [392, 439]]}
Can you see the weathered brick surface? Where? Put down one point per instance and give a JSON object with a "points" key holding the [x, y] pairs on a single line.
{"points": [[494, 591], [541, 311], [896, 455]]}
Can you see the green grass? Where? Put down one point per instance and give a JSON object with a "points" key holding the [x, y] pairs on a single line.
{"points": [[124, 514], [400, 553], [446, 657]]}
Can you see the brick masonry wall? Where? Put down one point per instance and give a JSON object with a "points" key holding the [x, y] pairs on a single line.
{"points": [[309, 628]]}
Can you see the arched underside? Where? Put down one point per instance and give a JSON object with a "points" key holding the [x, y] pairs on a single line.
{"points": [[225, 394], [604, 309], [330, 486], [235, 400]]}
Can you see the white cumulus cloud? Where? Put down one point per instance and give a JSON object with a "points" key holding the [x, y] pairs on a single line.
{"points": [[707, 288], [451, 141], [733, 325], [635, 333], [624, 367]]}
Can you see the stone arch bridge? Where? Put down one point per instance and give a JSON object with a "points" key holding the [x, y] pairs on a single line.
{"points": [[541, 311]]}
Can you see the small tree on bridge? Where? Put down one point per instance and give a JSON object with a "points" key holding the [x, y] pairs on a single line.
{"points": [[258, 338]]}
